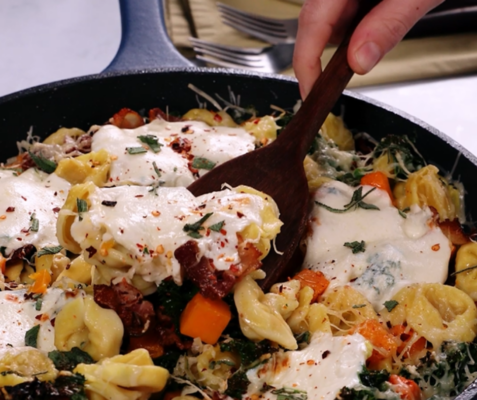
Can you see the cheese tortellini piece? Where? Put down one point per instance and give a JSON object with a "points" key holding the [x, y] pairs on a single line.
{"points": [[426, 188], [436, 312], [84, 324], [211, 118], [346, 307], [258, 320], [334, 129], [467, 280], [60, 135], [132, 376], [264, 129], [92, 167], [23, 364]]}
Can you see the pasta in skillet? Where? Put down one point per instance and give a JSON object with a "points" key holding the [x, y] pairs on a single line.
{"points": [[124, 285]]}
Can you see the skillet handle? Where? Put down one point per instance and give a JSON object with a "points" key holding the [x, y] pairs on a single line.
{"points": [[145, 43]]}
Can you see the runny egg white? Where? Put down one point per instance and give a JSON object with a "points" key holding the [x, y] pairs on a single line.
{"points": [[20, 312], [216, 144], [319, 370], [31, 195], [399, 249]]}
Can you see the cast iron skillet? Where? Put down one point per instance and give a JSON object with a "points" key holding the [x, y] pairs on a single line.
{"points": [[134, 80]]}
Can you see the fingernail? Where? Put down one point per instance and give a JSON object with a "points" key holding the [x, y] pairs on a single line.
{"points": [[368, 56]]}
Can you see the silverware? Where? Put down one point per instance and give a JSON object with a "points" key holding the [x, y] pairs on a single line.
{"points": [[271, 30], [271, 59]]}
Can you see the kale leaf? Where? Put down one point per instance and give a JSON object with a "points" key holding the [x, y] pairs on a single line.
{"points": [[237, 385], [68, 360]]}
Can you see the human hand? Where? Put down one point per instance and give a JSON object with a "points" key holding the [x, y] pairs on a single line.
{"points": [[323, 21]]}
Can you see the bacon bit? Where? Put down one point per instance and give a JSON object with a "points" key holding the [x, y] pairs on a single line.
{"points": [[240, 215], [436, 247], [113, 157], [91, 251], [157, 113], [453, 231], [160, 249], [10, 209], [56, 209], [3, 217], [106, 246], [222, 244], [127, 119], [155, 213]]}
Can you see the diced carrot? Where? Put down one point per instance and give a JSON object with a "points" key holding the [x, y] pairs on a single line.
{"points": [[3, 264], [399, 331], [383, 341], [205, 318], [314, 279], [379, 180], [42, 280], [406, 388]]}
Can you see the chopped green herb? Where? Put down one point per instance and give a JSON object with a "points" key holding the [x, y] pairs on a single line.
{"points": [[151, 141], [402, 213], [145, 250], [463, 270], [43, 163], [156, 169], [31, 336], [304, 337], [38, 303], [48, 250], [136, 150], [34, 223], [356, 247], [193, 229], [202, 163], [82, 207], [390, 304], [359, 306], [68, 360], [290, 394], [356, 202], [217, 227]]}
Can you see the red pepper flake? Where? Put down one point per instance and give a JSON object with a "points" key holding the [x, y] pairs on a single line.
{"points": [[24, 198], [19, 239], [240, 215], [121, 230], [10, 209], [38, 317], [222, 244], [436, 247], [325, 354], [139, 195], [140, 246], [256, 121], [52, 321], [56, 209], [91, 251], [223, 231], [217, 118]]}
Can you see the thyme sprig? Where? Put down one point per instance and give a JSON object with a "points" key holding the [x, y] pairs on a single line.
{"points": [[356, 202]]}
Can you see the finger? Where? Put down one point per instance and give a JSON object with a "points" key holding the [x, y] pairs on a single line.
{"points": [[317, 21], [382, 29]]}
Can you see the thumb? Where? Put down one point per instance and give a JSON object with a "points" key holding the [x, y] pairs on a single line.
{"points": [[382, 29]]}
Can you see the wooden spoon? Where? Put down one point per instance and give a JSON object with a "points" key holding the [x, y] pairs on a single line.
{"points": [[277, 169]]}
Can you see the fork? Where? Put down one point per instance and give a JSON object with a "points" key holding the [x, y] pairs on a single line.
{"points": [[270, 59], [271, 30]]}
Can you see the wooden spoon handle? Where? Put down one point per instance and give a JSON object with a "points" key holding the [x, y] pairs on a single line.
{"points": [[324, 94]]}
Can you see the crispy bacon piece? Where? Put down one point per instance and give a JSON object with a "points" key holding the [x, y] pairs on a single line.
{"points": [[249, 257], [135, 312], [23, 252], [127, 119], [212, 283], [453, 231], [157, 113]]}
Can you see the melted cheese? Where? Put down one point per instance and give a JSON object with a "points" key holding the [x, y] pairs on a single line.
{"points": [[31, 192], [398, 251], [321, 369], [151, 227], [217, 144], [19, 314]]}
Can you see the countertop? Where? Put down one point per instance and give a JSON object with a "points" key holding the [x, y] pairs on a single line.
{"points": [[48, 40]]}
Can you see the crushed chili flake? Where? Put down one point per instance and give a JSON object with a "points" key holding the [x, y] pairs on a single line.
{"points": [[240, 215], [10, 209], [139, 195], [91, 251], [436, 247], [325, 354], [56, 209], [3, 217], [24, 198]]}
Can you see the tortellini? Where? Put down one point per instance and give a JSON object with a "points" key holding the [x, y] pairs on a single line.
{"points": [[436, 312], [467, 280], [334, 129], [132, 376], [426, 188], [84, 324], [314, 174], [264, 129], [257, 319], [22, 364], [347, 308], [211, 118], [92, 167], [60, 135]]}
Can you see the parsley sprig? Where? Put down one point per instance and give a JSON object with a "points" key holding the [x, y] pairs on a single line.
{"points": [[356, 202]]}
